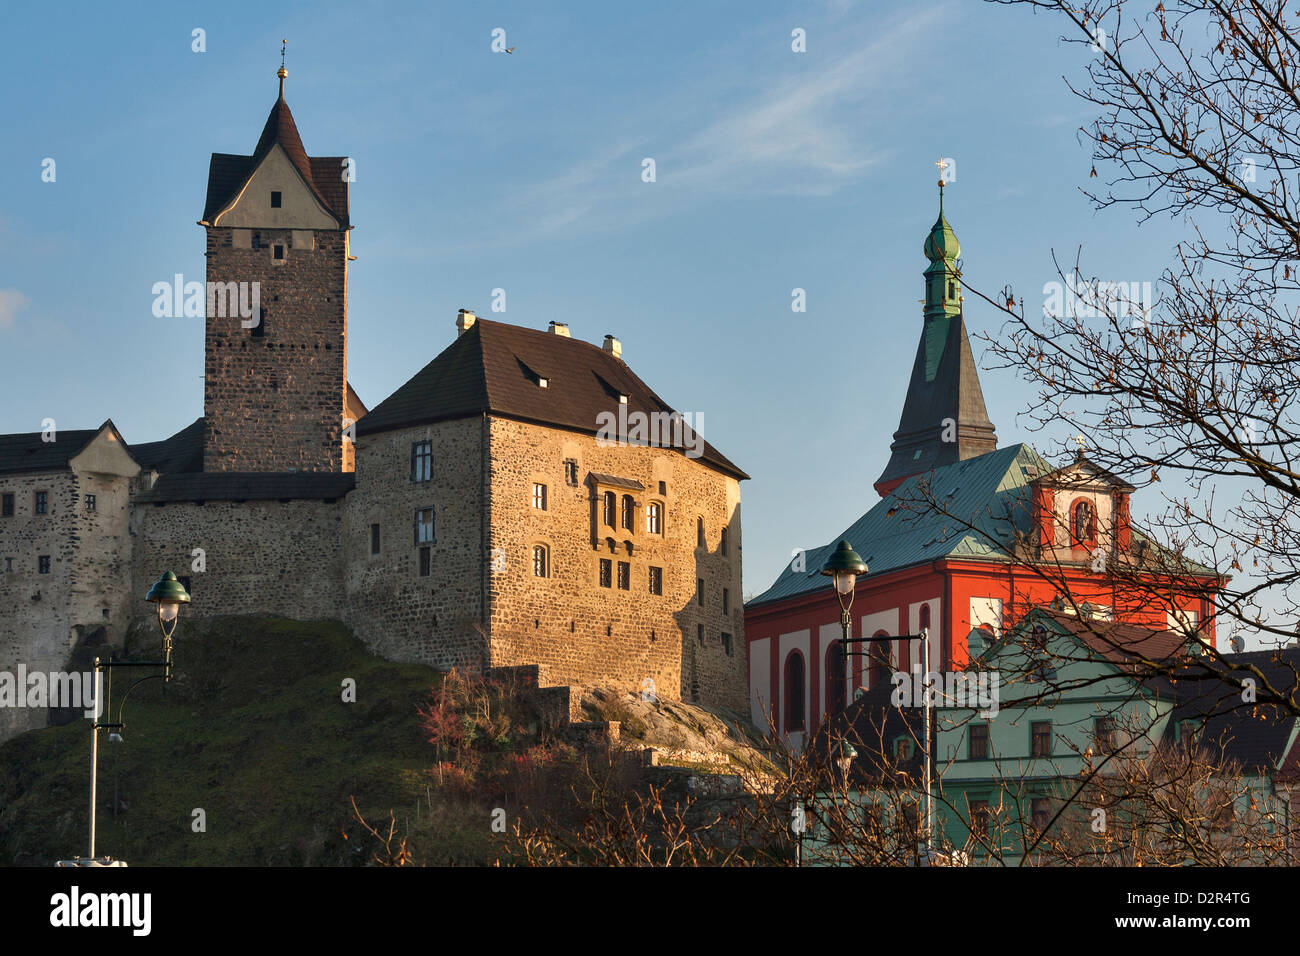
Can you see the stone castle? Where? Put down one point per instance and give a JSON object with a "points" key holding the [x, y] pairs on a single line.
{"points": [[483, 515]]}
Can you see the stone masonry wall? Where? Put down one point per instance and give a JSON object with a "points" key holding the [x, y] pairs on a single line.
{"points": [[260, 557], [277, 402], [434, 619], [584, 634]]}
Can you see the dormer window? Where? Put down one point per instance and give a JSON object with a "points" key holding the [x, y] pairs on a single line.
{"points": [[622, 399], [541, 382], [275, 199]]}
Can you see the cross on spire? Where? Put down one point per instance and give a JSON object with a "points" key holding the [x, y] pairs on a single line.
{"points": [[282, 72]]}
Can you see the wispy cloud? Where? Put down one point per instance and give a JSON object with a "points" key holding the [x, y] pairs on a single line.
{"points": [[11, 300], [802, 131]]}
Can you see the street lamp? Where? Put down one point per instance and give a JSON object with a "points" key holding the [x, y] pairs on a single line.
{"points": [[169, 594], [843, 567]]}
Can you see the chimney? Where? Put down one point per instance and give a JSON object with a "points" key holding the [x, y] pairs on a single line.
{"points": [[559, 328], [613, 346], [465, 320]]}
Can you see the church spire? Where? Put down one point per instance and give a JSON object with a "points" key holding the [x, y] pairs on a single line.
{"points": [[282, 72], [944, 419]]}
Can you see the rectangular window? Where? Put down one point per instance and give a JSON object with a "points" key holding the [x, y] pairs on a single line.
{"points": [[629, 510], [699, 591], [724, 540], [374, 539], [571, 472], [726, 600], [606, 572], [979, 742], [656, 580], [541, 562], [1103, 729], [624, 576], [43, 564], [1040, 738], [7, 506], [1040, 811], [90, 502], [275, 199], [654, 518], [539, 496], [663, 487], [278, 251], [426, 561], [979, 817], [726, 643], [421, 461], [42, 503], [259, 330], [424, 526], [699, 633]]}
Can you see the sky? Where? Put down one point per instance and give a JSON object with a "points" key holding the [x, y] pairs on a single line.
{"points": [[476, 170]]}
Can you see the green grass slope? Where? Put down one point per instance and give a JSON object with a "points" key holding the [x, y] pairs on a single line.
{"points": [[252, 730]]}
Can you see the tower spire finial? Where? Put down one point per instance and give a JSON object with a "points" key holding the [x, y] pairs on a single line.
{"points": [[282, 72], [943, 165]]}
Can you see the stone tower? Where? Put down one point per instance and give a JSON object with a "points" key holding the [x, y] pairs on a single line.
{"points": [[944, 419], [275, 376]]}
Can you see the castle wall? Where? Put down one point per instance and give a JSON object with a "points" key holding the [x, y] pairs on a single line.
{"points": [[399, 613], [86, 592], [580, 632], [258, 557], [276, 401]]}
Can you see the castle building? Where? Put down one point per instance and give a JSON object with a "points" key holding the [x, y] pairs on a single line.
{"points": [[525, 499], [966, 539]]}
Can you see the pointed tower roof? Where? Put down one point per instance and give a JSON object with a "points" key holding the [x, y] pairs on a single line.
{"points": [[944, 419], [228, 173]]}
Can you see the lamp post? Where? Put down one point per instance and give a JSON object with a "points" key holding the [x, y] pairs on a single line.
{"points": [[843, 566], [169, 594]]}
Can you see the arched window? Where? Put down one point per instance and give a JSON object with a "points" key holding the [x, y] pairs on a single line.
{"points": [[1083, 523], [654, 518], [611, 503], [541, 561], [835, 679], [794, 692], [629, 511], [699, 532], [879, 669]]}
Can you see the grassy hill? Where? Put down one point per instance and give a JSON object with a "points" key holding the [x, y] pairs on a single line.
{"points": [[253, 730]]}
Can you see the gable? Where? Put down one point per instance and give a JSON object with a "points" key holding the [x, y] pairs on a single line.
{"points": [[300, 208], [105, 454]]}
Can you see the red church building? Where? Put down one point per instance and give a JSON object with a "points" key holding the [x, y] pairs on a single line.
{"points": [[966, 538]]}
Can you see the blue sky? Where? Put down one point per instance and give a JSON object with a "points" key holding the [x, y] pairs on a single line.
{"points": [[477, 170]]}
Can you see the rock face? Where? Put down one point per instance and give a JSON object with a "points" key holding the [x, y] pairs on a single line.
{"points": [[675, 733]]}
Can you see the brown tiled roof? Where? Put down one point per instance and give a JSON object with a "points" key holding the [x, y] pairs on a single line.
{"points": [[183, 452], [1123, 644], [487, 370], [249, 486], [227, 173], [28, 451]]}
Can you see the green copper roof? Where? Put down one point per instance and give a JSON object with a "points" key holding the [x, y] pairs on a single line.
{"points": [[942, 242], [989, 492]]}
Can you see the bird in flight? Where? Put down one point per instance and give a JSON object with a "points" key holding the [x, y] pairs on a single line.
{"points": [[510, 49]]}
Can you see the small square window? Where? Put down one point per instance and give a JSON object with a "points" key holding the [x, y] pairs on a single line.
{"points": [[656, 580], [7, 506], [539, 496], [41, 505], [426, 561], [275, 199], [374, 539], [90, 502], [43, 564], [606, 572], [571, 472], [277, 251], [624, 576]]}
